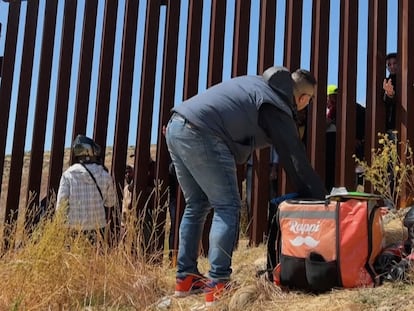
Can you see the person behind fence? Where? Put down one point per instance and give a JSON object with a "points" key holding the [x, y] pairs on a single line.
{"points": [[148, 215], [87, 190], [127, 194], [330, 163], [360, 144], [330, 160], [142, 220], [389, 86], [207, 136], [273, 172]]}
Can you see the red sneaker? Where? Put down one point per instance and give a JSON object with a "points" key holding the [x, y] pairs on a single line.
{"points": [[191, 284], [214, 291]]}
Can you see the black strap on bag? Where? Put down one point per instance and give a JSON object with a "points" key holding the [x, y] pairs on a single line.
{"points": [[94, 179], [271, 246], [106, 209], [113, 223], [273, 236]]}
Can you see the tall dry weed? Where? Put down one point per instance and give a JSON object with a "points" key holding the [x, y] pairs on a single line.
{"points": [[53, 269], [391, 168]]}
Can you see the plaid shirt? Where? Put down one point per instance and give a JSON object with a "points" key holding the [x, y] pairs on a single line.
{"points": [[85, 205]]}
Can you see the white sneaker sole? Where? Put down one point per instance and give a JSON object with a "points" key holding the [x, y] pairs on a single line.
{"points": [[185, 294]]}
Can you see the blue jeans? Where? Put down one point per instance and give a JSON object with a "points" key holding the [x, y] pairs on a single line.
{"points": [[206, 172]]}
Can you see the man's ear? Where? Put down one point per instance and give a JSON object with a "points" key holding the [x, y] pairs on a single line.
{"points": [[301, 103]]}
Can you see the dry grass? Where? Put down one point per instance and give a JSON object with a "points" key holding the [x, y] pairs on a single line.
{"points": [[54, 272]]}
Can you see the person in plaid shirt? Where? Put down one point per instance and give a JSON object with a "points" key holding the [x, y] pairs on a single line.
{"points": [[87, 190]]}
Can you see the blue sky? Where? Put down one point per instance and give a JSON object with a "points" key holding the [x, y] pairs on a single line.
{"points": [[332, 61]]}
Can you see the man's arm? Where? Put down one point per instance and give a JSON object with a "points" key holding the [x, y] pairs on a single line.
{"points": [[282, 130], [110, 199]]}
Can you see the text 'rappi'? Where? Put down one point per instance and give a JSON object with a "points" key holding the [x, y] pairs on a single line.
{"points": [[302, 228]]}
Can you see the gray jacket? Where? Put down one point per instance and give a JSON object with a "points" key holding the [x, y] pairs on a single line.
{"points": [[248, 114], [230, 110]]}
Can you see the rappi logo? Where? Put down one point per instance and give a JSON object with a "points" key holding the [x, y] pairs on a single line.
{"points": [[304, 229]]}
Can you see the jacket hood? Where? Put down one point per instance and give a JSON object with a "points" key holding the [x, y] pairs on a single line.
{"points": [[280, 80]]}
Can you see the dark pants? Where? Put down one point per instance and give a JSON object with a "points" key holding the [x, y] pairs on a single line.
{"points": [[272, 194], [330, 160], [172, 209]]}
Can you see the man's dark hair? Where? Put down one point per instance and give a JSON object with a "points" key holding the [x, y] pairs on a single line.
{"points": [[390, 55], [302, 78], [302, 75]]}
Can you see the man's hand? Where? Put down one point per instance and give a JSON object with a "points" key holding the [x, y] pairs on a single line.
{"points": [[388, 87], [274, 171]]}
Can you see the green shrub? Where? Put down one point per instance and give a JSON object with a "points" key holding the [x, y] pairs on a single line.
{"points": [[391, 168]]}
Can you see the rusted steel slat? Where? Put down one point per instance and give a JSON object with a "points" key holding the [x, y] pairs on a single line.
{"points": [[167, 97], [405, 88], [214, 75], [23, 98], [240, 55], [62, 96], [7, 79], [319, 67], [192, 58], [291, 57], [259, 195], [346, 111], [85, 68], [192, 65], [241, 37], [104, 91], [293, 34], [266, 35], [216, 48], [42, 103], [5, 97], [261, 158], [146, 102], [105, 74], [399, 108], [375, 108], [124, 93], [407, 51]]}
